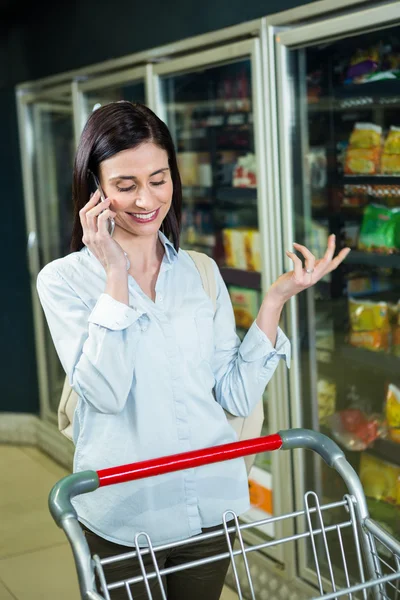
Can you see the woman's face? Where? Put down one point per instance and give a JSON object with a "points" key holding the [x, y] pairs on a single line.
{"points": [[138, 183]]}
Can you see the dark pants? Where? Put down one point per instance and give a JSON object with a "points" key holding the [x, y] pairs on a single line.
{"points": [[198, 583]]}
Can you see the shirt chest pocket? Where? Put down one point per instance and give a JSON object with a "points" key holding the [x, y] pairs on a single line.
{"points": [[195, 338]]}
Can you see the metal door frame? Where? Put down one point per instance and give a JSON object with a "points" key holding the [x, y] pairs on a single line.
{"points": [[26, 127]]}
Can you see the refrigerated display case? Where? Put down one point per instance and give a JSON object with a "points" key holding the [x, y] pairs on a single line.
{"points": [[338, 92]]}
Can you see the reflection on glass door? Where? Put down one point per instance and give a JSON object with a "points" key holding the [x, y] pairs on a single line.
{"points": [[52, 165], [211, 114], [127, 85], [345, 140]]}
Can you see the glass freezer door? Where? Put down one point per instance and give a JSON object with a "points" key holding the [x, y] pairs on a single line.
{"points": [[212, 103], [47, 144], [94, 92], [339, 134]]}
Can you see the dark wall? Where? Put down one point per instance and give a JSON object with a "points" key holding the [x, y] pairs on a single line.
{"points": [[37, 41]]}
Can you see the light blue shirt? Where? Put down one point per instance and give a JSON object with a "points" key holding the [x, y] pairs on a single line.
{"points": [[152, 380]]}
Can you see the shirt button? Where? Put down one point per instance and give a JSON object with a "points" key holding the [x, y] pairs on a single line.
{"points": [[160, 298]]}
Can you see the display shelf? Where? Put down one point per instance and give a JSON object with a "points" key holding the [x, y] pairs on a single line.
{"points": [[234, 194], [240, 278], [373, 92], [381, 448], [386, 450], [370, 179], [383, 261], [368, 360]]}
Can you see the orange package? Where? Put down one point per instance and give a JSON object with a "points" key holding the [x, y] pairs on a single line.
{"points": [[364, 161], [377, 341]]}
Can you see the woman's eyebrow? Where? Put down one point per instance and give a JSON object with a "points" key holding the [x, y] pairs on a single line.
{"points": [[133, 176]]}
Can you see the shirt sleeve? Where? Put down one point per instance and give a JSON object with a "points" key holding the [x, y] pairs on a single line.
{"points": [[93, 346], [242, 370]]}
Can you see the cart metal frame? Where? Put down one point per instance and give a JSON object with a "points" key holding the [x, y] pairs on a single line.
{"points": [[377, 552]]}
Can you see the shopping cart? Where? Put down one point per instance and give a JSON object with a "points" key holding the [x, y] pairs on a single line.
{"points": [[374, 551]]}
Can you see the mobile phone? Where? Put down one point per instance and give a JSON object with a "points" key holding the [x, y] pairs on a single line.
{"points": [[110, 222]]}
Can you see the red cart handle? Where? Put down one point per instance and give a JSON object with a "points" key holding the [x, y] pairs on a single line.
{"points": [[88, 481], [188, 460]]}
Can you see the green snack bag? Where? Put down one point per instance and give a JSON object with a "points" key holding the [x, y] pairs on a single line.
{"points": [[380, 229]]}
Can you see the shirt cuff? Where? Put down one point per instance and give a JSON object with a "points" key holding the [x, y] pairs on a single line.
{"points": [[111, 314], [256, 345]]}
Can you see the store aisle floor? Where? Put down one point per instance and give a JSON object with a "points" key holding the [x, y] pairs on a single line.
{"points": [[35, 558]]}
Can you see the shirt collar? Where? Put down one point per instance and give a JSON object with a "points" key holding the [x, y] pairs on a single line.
{"points": [[170, 252]]}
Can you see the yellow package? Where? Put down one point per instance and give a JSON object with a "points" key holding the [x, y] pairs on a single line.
{"points": [[234, 248], [366, 135], [390, 163], [392, 410], [252, 245], [377, 341], [368, 316], [392, 143], [364, 161], [380, 479], [246, 304]]}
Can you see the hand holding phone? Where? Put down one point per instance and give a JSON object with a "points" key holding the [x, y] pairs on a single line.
{"points": [[110, 222]]}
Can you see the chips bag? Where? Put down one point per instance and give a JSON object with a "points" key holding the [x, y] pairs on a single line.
{"points": [[380, 229], [368, 316]]}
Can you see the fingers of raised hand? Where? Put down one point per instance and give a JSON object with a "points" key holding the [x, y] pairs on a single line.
{"points": [[324, 263], [337, 260], [297, 264], [309, 256]]}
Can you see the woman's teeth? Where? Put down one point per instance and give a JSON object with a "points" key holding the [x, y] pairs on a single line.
{"points": [[142, 217]]}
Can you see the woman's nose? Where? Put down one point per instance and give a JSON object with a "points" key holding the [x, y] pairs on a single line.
{"points": [[144, 200]]}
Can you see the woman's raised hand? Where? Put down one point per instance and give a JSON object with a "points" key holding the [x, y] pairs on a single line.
{"points": [[300, 278], [94, 216]]}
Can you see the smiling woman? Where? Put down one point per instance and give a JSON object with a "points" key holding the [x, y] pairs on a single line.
{"points": [[113, 135], [153, 360]]}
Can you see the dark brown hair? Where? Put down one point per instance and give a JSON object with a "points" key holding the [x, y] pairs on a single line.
{"points": [[110, 129]]}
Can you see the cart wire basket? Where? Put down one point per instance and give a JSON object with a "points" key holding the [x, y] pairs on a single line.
{"points": [[373, 572]]}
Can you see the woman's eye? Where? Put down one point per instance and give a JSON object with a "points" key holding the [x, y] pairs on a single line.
{"points": [[128, 189], [157, 182]]}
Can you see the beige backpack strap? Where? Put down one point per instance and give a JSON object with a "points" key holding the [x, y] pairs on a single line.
{"points": [[205, 268], [66, 409]]}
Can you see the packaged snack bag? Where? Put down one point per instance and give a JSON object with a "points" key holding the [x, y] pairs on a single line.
{"points": [[234, 248], [363, 62], [362, 161], [366, 135], [392, 143], [354, 429], [245, 304], [368, 316], [380, 479], [390, 164], [376, 341], [392, 411], [252, 244], [380, 229]]}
